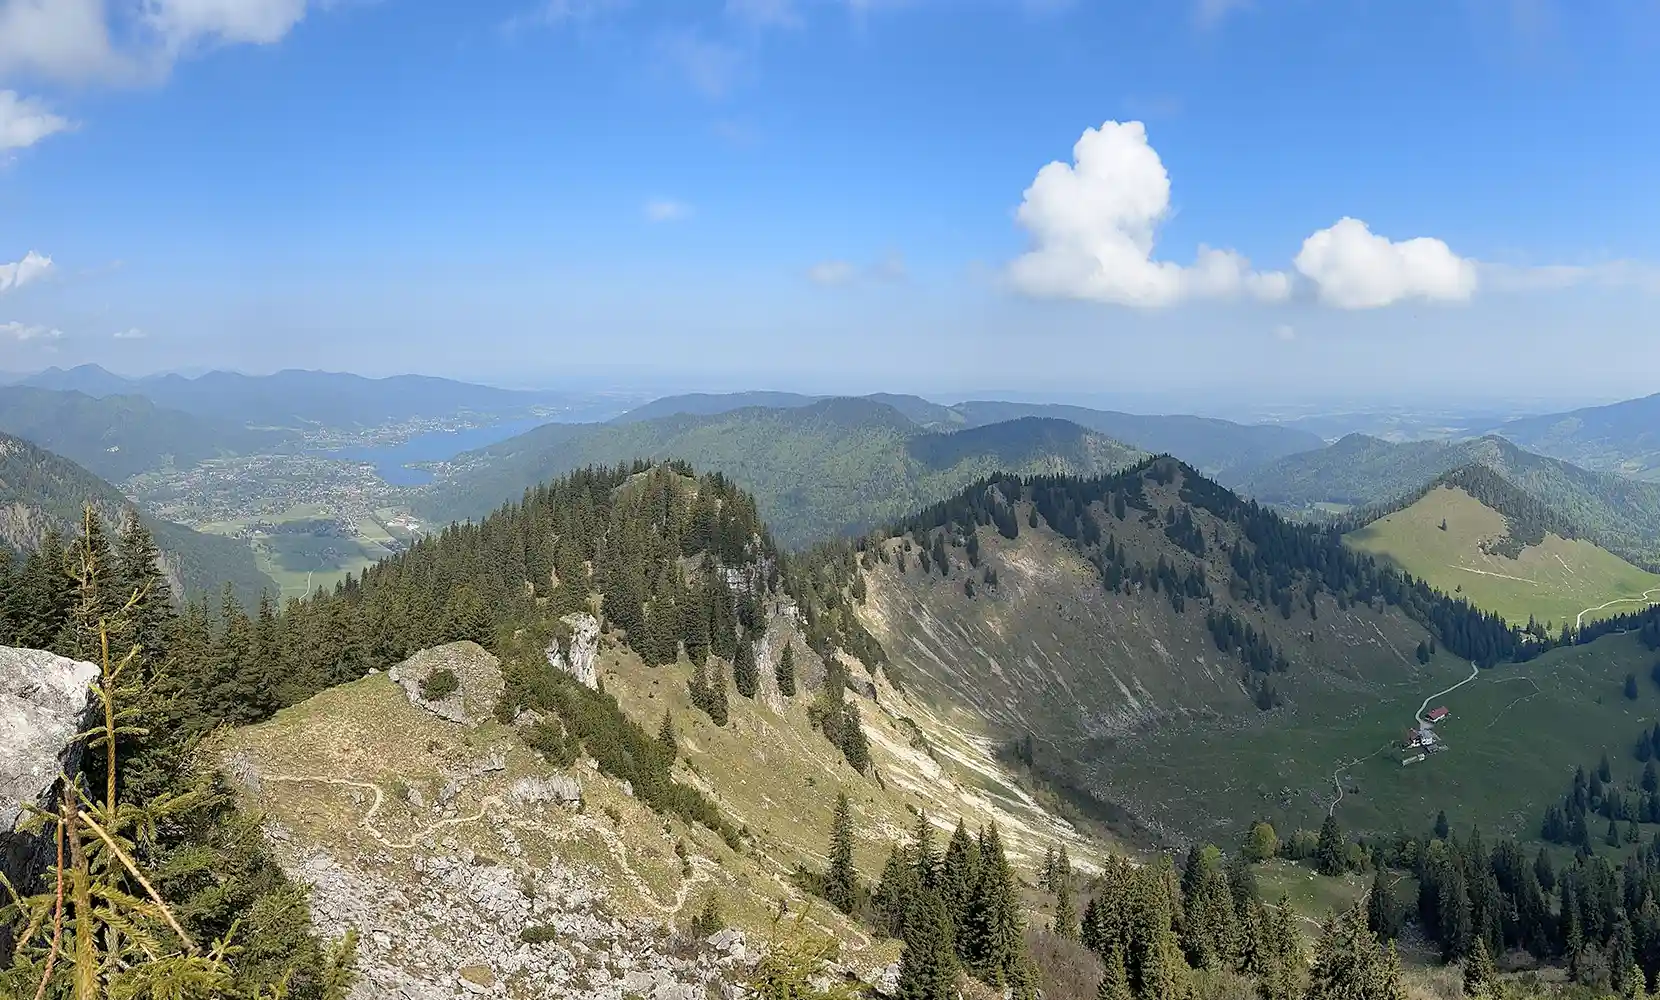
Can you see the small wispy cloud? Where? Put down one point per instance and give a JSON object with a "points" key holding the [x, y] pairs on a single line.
{"points": [[1211, 13], [666, 210], [25, 121], [765, 13], [24, 332], [133, 333], [1285, 331], [833, 273]]}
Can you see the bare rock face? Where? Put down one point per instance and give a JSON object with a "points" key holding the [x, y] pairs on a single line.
{"points": [[43, 704], [580, 660], [478, 674]]}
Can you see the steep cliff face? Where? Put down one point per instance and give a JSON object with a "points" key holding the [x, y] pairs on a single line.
{"points": [[43, 703]]}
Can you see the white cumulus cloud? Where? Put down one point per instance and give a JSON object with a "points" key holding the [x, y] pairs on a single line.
{"points": [[25, 121], [133, 333], [1354, 268], [131, 40], [1093, 224], [32, 267], [25, 332]]}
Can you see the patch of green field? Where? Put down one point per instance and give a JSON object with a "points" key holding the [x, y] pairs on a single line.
{"points": [[1514, 737], [1551, 583]]}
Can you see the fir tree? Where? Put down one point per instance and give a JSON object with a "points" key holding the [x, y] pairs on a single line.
{"points": [[994, 945], [744, 675], [927, 965], [718, 708], [1349, 964], [1442, 828], [785, 671], [1065, 923], [841, 880], [1332, 854], [1115, 983], [959, 872], [666, 737], [1480, 978], [1382, 914]]}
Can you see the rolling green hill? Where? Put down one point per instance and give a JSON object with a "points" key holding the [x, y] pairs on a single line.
{"points": [[1618, 513], [1621, 437], [117, 436], [1140, 653], [1552, 581], [831, 468], [40, 491]]}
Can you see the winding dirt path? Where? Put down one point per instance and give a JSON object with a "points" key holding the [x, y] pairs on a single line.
{"points": [[614, 844], [1419, 718], [1646, 598], [368, 824]]}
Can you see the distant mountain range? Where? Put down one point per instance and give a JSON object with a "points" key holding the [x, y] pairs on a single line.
{"points": [[1209, 445], [40, 491], [296, 398], [117, 436], [1617, 512], [828, 468], [1620, 437]]}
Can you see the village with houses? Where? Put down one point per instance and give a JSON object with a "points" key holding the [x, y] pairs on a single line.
{"points": [[1422, 740]]}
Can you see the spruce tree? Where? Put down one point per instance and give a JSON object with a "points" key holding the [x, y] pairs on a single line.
{"points": [[841, 880], [1115, 984], [1065, 923], [719, 708], [855, 745], [1442, 828], [744, 675], [666, 738], [895, 893], [1349, 964], [1382, 914], [1480, 978], [959, 872], [927, 965], [1331, 856], [785, 671], [994, 946]]}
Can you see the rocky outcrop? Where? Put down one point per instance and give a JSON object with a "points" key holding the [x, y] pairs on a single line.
{"points": [[579, 654], [477, 672], [43, 704]]}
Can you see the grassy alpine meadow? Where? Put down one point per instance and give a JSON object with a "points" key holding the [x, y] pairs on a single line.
{"points": [[1515, 734], [1551, 583]]}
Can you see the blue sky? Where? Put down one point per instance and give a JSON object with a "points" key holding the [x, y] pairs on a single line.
{"points": [[842, 194]]}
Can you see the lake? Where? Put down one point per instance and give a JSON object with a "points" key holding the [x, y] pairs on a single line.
{"points": [[391, 461]]}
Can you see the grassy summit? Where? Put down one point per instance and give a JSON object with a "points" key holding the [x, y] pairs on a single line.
{"points": [[1551, 582]]}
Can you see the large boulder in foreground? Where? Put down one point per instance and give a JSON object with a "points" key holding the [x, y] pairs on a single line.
{"points": [[460, 681], [43, 703]]}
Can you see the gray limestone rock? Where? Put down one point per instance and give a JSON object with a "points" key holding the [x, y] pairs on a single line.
{"points": [[580, 660], [44, 702]]}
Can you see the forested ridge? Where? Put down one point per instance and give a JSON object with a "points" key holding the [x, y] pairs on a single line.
{"points": [[1280, 564], [41, 492]]}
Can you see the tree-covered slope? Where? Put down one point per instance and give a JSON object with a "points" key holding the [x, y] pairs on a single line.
{"points": [[834, 467], [1186, 659], [40, 492], [1212, 446], [1618, 513], [117, 436], [1621, 437]]}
